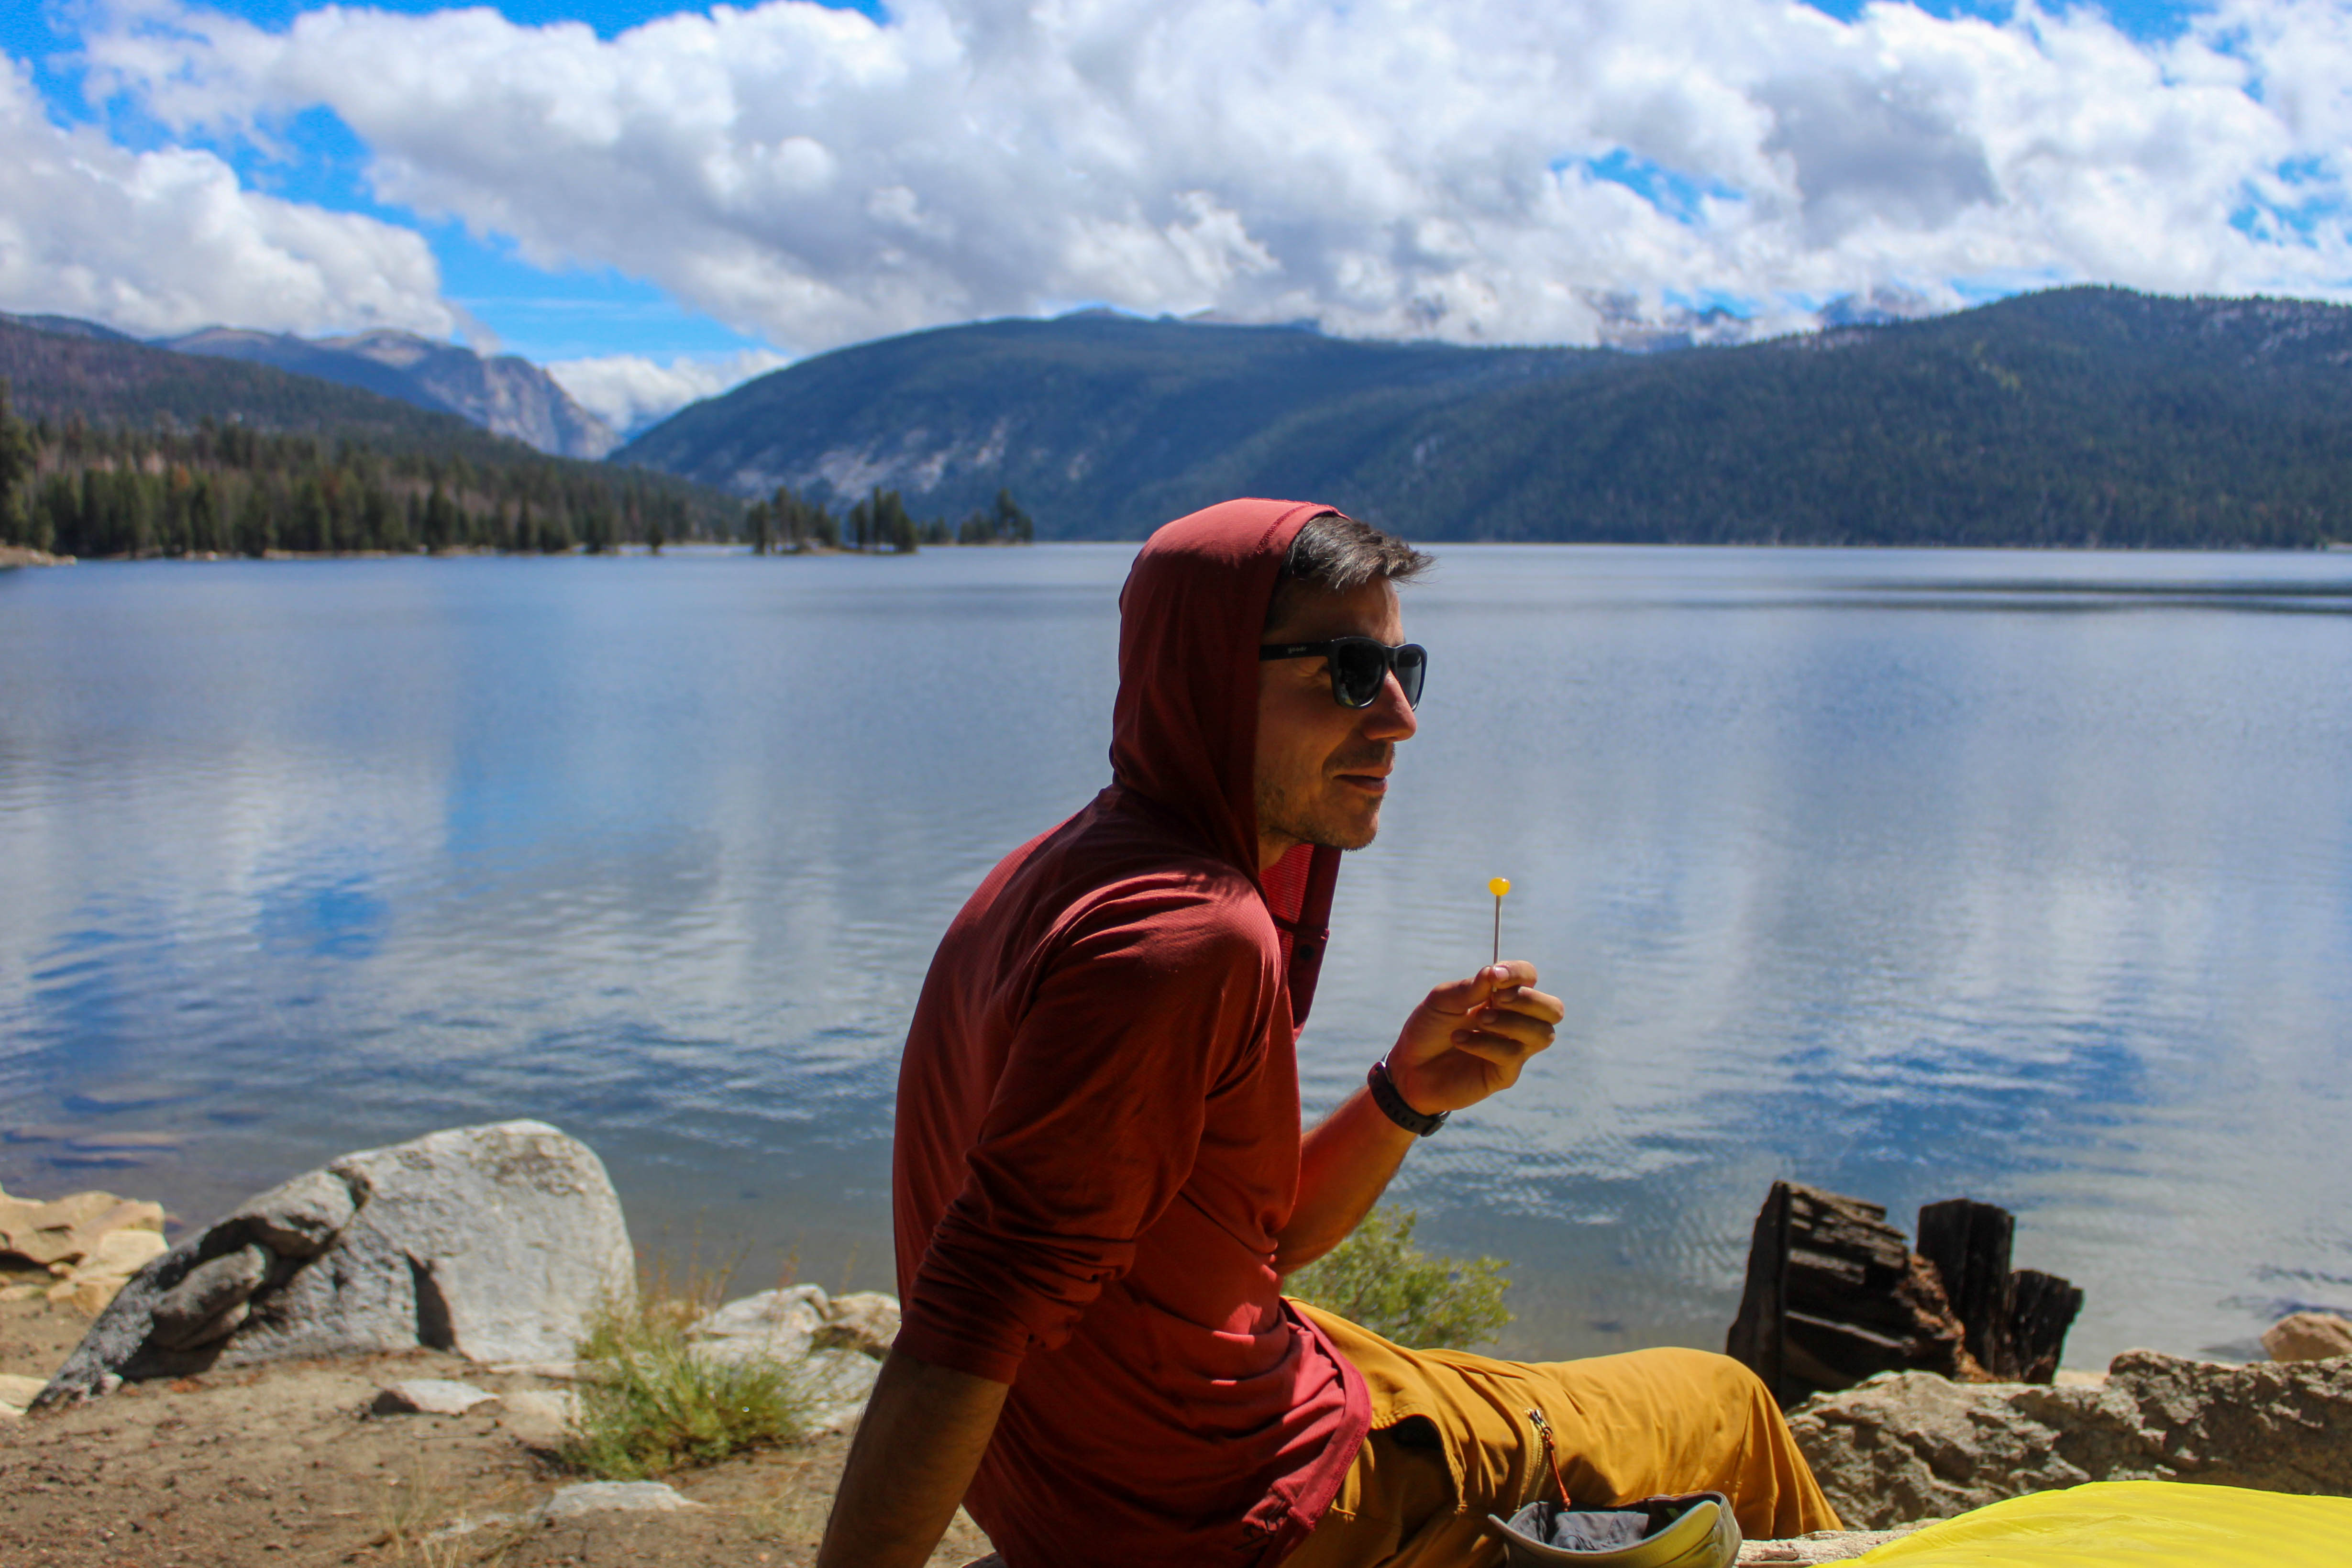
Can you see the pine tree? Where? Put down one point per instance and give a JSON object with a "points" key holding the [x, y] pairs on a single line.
{"points": [[1012, 525], [16, 475]]}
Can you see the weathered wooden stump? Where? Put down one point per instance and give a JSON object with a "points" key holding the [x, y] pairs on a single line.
{"points": [[2016, 1320], [1835, 1294], [1968, 1244]]}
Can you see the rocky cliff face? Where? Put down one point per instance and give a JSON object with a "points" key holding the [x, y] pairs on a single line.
{"points": [[505, 394]]}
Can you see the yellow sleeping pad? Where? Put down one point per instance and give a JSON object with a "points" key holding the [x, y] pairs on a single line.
{"points": [[2134, 1524]]}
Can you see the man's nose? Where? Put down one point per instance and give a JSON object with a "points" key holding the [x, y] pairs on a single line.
{"points": [[1389, 718]]}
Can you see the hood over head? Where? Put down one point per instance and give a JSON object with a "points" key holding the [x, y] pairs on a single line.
{"points": [[1184, 728]]}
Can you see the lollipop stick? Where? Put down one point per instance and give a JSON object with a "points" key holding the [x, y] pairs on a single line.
{"points": [[1497, 886]]}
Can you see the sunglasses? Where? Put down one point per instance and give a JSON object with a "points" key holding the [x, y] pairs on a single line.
{"points": [[1362, 666]]}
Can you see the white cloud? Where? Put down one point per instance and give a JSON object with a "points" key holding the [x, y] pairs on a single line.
{"points": [[170, 240], [1391, 167], [630, 391]]}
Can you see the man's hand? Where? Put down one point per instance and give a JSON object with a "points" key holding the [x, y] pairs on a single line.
{"points": [[1472, 1038]]}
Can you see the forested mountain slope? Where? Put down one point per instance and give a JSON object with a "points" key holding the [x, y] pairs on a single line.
{"points": [[2076, 416], [1116, 422], [124, 448], [58, 369]]}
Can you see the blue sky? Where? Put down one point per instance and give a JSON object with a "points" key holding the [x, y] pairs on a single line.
{"points": [[764, 180]]}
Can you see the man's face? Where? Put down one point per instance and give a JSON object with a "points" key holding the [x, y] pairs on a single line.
{"points": [[1323, 769]]}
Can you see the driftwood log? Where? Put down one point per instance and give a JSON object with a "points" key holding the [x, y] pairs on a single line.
{"points": [[1835, 1294]]}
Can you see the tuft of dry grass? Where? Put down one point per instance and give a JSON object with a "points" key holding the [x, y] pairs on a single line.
{"points": [[651, 1404], [421, 1522]]}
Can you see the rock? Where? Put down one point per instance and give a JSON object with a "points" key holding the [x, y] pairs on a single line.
{"points": [[1913, 1446], [538, 1415], [865, 1321], [495, 1242], [98, 1273], [299, 1219], [2309, 1336], [120, 1254], [774, 1325], [611, 1497], [1821, 1546], [210, 1301], [835, 1385], [429, 1397], [17, 1395], [786, 1325], [75, 1230], [556, 1371]]}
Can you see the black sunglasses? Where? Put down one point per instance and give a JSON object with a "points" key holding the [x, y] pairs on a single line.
{"points": [[1360, 666]]}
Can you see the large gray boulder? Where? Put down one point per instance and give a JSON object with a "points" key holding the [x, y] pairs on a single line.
{"points": [[1909, 1445], [495, 1242]]}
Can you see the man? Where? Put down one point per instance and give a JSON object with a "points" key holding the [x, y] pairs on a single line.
{"points": [[1100, 1178]]}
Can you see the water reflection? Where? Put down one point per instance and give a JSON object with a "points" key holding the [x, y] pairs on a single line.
{"points": [[1914, 875]]}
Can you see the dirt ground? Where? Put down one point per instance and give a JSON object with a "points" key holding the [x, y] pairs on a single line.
{"points": [[281, 1465]]}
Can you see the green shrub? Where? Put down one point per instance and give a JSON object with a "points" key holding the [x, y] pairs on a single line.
{"points": [[1379, 1278], [649, 1404]]}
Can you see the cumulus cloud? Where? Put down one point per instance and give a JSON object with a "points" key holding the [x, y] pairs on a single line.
{"points": [[630, 391], [1477, 170], [170, 240]]}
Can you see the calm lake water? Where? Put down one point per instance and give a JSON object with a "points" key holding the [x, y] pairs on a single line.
{"points": [[1915, 875]]}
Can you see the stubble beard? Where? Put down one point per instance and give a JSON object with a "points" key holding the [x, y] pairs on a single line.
{"points": [[1318, 814]]}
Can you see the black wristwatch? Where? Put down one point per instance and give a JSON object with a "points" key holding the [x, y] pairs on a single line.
{"points": [[1393, 1105]]}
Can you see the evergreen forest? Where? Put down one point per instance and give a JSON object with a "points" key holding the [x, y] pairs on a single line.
{"points": [[77, 489], [80, 490]]}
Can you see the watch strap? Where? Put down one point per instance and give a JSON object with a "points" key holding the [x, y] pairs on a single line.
{"points": [[1393, 1105]]}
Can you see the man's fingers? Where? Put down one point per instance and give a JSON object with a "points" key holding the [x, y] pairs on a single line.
{"points": [[1533, 1003], [1462, 996], [1501, 1059], [1511, 971], [1518, 1042], [1494, 983]]}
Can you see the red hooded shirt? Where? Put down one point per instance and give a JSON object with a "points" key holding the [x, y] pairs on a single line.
{"points": [[1097, 1134]]}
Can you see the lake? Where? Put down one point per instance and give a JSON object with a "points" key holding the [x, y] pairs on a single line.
{"points": [[2023, 877]]}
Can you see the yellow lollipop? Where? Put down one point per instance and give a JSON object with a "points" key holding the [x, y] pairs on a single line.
{"points": [[1498, 886]]}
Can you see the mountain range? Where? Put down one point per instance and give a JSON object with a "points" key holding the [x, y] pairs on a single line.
{"points": [[2077, 417], [2073, 417], [129, 396], [503, 393]]}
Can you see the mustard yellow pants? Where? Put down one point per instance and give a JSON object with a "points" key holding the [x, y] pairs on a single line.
{"points": [[1451, 1442]]}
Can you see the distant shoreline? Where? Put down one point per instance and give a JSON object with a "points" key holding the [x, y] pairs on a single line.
{"points": [[12, 556], [18, 555]]}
